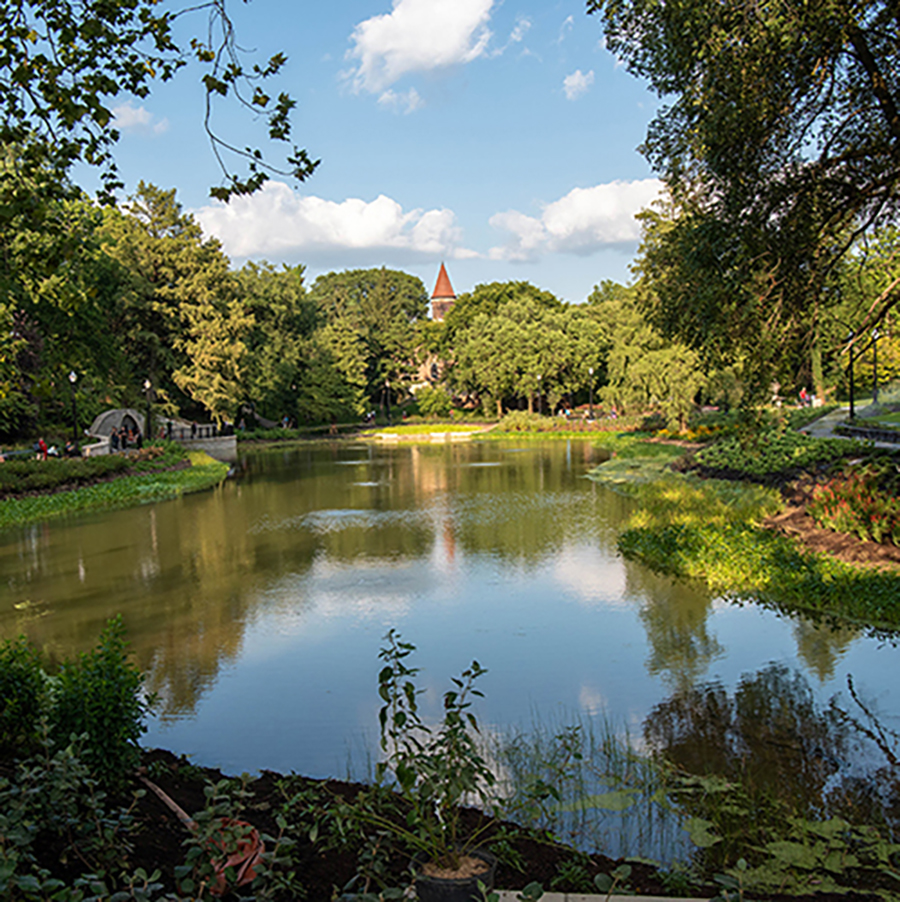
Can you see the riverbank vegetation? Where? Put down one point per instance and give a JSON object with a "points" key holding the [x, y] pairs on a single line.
{"points": [[38, 490], [692, 523], [729, 808]]}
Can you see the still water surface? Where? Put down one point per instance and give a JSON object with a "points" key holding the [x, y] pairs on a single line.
{"points": [[258, 609]]}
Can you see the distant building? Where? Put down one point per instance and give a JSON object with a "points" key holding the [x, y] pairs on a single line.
{"points": [[443, 297]]}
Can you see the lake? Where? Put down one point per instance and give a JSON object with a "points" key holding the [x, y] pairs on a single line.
{"points": [[258, 609]]}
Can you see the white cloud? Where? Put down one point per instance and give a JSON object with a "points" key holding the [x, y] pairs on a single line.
{"points": [[417, 36], [582, 222], [577, 83], [406, 101], [567, 25], [278, 221], [523, 24], [128, 118]]}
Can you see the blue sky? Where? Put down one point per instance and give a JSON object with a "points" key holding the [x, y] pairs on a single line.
{"points": [[498, 136]]}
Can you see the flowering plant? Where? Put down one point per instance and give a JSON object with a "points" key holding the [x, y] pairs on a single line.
{"points": [[853, 503]]}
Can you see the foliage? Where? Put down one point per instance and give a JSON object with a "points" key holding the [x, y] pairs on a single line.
{"points": [[101, 695], [762, 211], [62, 63], [53, 798], [744, 561], [204, 473], [23, 695], [28, 475], [523, 421], [772, 452], [433, 401], [857, 503], [435, 771]]}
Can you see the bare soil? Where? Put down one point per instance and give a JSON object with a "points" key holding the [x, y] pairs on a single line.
{"points": [[324, 870]]}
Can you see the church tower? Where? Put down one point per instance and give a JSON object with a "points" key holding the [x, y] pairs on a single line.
{"points": [[443, 297]]}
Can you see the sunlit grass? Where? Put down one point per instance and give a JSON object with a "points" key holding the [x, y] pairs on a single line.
{"points": [[126, 491]]}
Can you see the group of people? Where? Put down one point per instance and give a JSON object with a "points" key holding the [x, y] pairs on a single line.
{"points": [[122, 439]]}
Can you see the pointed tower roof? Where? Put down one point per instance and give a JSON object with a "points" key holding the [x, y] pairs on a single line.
{"points": [[443, 290]]}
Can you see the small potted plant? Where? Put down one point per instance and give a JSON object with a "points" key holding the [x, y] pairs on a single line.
{"points": [[435, 770]]}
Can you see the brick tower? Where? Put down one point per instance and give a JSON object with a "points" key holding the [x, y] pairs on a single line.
{"points": [[443, 296]]}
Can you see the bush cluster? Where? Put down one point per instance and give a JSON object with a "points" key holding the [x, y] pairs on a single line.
{"points": [[773, 452], [98, 698]]}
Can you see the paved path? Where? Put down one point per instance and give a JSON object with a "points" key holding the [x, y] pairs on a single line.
{"points": [[824, 426]]}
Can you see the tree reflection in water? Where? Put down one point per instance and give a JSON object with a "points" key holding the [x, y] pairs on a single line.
{"points": [[784, 755]]}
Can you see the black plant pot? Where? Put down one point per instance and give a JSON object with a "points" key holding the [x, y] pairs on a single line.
{"points": [[456, 889]]}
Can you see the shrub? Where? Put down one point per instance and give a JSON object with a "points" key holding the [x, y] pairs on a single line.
{"points": [[854, 503], [771, 452], [522, 421], [22, 695], [433, 401], [100, 695]]}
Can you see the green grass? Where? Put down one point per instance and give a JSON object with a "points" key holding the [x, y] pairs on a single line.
{"points": [[709, 529], [423, 428], [746, 562], [127, 491]]}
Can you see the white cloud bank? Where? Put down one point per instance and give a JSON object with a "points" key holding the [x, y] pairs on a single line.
{"points": [[417, 36], [577, 83], [277, 221], [128, 118], [582, 222]]}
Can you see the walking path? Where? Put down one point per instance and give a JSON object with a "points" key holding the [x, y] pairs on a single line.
{"points": [[824, 427]]}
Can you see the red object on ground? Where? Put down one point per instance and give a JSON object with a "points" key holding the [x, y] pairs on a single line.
{"points": [[244, 859]]}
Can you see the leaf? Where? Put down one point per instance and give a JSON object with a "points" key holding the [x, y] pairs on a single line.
{"points": [[619, 800], [700, 832]]}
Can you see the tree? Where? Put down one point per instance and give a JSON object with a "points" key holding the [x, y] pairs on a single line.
{"points": [[644, 372], [383, 307], [180, 320], [780, 146], [62, 63], [278, 343], [514, 345]]}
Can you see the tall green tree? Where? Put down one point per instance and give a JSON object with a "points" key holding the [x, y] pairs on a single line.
{"points": [[384, 308], [180, 320], [780, 144]]}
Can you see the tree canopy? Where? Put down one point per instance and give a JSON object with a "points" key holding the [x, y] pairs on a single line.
{"points": [[780, 145], [62, 63]]}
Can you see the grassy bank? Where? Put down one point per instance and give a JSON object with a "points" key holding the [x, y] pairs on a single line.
{"points": [[710, 529], [125, 491]]}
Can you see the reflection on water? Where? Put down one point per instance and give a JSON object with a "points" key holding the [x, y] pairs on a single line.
{"points": [[258, 608]]}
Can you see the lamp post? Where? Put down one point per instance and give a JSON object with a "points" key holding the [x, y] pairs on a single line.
{"points": [[591, 389], [540, 397], [875, 336], [73, 378], [852, 408], [387, 394], [148, 425]]}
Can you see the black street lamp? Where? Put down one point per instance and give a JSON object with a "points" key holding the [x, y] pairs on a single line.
{"points": [[387, 392], [852, 408], [148, 425], [591, 403], [875, 336], [73, 378]]}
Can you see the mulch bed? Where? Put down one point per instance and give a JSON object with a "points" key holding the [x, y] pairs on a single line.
{"points": [[324, 872]]}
